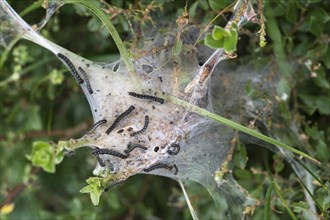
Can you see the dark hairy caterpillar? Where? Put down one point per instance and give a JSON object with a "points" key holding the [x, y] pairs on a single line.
{"points": [[149, 97], [72, 68], [145, 126], [69, 153], [88, 85], [176, 170], [174, 149], [158, 166], [98, 151], [112, 185], [131, 147], [101, 162], [98, 124], [119, 118]]}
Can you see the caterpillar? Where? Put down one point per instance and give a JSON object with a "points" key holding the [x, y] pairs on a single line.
{"points": [[112, 185], [176, 169], [72, 68], [98, 151], [145, 126], [174, 149], [158, 166], [101, 162], [69, 153], [149, 97], [131, 147], [88, 85], [119, 118], [98, 124]]}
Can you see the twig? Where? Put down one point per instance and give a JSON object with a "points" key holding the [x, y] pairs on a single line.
{"points": [[19, 188], [58, 132]]}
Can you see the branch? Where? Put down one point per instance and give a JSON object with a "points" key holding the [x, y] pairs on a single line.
{"points": [[64, 134], [20, 188]]}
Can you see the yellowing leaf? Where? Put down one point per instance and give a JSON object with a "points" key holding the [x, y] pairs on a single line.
{"points": [[7, 209]]}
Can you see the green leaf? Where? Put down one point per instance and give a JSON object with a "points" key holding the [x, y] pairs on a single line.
{"points": [[177, 48], [231, 41], [211, 42], [316, 21], [278, 163], [86, 189], [203, 4], [274, 33], [309, 102], [321, 80], [309, 109], [268, 202], [94, 188], [323, 197], [319, 143], [300, 206], [43, 156], [322, 150], [291, 11], [323, 104], [284, 110], [250, 91], [326, 58], [94, 180], [274, 10], [193, 9], [314, 133], [59, 157], [81, 10], [95, 197], [33, 121], [94, 24], [46, 155], [217, 5], [219, 33], [240, 157], [222, 38]]}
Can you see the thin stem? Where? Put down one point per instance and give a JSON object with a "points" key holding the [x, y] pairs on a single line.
{"points": [[113, 32], [191, 209], [215, 18], [235, 126], [268, 201], [20, 188], [278, 192]]}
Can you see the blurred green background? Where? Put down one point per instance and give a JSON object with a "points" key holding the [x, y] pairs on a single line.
{"points": [[40, 101]]}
